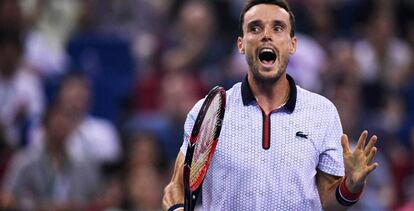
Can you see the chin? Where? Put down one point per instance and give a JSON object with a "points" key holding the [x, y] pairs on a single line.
{"points": [[267, 77], [265, 73]]}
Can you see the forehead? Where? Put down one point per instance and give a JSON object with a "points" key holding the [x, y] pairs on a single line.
{"points": [[266, 12]]}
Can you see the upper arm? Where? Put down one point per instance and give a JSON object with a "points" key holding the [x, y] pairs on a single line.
{"points": [[331, 153]]}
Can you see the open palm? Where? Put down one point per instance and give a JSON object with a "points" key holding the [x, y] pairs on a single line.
{"points": [[358, 164]]}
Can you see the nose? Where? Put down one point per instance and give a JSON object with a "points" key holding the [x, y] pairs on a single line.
{"points": [[267, 36]]}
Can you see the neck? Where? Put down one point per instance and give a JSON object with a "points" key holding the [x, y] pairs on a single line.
{"points": [[270, 96]]}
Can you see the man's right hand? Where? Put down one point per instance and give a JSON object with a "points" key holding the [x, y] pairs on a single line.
{"points": [[173, 194]]}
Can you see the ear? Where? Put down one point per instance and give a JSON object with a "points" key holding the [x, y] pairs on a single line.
{"points": [[240, 45], [293, 45]]}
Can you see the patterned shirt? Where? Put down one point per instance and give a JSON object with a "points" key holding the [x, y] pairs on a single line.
{"points": [[269, 162]]}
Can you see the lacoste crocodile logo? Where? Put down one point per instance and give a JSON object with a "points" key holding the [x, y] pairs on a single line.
{"points": [[301, 134]]}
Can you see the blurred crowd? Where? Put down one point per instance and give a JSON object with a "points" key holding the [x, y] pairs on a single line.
{"points": [[94, 94]]}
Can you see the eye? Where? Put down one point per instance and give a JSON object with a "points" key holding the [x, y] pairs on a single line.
{"points": [[254, 29], [278, 28]]}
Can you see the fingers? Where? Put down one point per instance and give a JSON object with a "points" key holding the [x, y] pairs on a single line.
{"points": [[371, 155], [361, 140], [345, 144], [370, 144], [371, 168]]}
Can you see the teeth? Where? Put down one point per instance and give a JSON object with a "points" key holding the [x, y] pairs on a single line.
{"points": [[267, 50]]}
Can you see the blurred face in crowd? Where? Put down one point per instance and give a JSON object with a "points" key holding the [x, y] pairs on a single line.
{"points": [[58, 127], [145, 188], [179, 93], [75, 96], [144, 151], [266, 41], [196, 18]]}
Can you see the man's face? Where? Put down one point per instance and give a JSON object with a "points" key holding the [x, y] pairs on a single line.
{"points": [[267, 42]]}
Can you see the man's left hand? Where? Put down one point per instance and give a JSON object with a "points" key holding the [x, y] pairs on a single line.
{"points": [[358, 164]]}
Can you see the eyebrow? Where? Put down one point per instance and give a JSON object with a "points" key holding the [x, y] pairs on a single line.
{"points": [[259, 22], [279, 23], [254, 23]]}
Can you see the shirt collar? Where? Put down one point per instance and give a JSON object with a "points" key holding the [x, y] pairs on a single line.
{"points": [[248, 97]]}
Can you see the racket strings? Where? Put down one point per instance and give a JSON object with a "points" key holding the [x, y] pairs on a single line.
{"points": [[208, 132], [204, 149]]}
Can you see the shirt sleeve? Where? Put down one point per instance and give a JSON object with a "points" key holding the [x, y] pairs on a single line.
{"points": [[188, 125], [331, 156]]}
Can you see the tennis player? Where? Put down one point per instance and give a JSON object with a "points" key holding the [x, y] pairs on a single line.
{"points": [[281, 147]]}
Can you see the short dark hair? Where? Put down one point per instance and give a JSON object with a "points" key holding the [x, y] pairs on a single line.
{"points": [[281, 3]]}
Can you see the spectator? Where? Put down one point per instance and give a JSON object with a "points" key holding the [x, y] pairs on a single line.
{"points": [[50, 23], [307, 64], [145, 166], [382, 56], [49, 179], [21, 96], [93, 139]]}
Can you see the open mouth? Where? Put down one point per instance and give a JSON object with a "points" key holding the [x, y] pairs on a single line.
{"points": [[267, 56]]}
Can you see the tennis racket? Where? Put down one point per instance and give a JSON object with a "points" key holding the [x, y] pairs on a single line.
{"points": [[202, 144]]}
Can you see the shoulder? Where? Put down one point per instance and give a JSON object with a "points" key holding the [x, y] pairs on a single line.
{"points": [[234, 92], [315, 102], [96, 131]]}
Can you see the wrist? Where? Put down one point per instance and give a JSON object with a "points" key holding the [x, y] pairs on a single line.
{"points": [[351, 186], [350, 194], [344, 196], [176, 207]]}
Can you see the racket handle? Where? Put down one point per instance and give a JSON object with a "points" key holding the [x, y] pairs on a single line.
{"points": [[190, 202]]}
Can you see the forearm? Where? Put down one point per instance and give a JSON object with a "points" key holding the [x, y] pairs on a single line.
{"points": [[329, 202], [174, 191]]}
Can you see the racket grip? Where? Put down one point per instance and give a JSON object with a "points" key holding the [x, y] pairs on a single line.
{"points": [[190, 202]]}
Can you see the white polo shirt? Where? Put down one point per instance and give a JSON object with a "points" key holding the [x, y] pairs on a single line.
{"points": [[269, 162]]}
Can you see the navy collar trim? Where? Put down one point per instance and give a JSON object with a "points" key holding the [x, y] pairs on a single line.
{"points": [[248, 97]]}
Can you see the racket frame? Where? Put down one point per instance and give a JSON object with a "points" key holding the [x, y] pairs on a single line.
{"points": [[191, 192]]}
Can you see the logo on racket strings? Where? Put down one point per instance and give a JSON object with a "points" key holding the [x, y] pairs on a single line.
{"points": [[205, 140]]}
